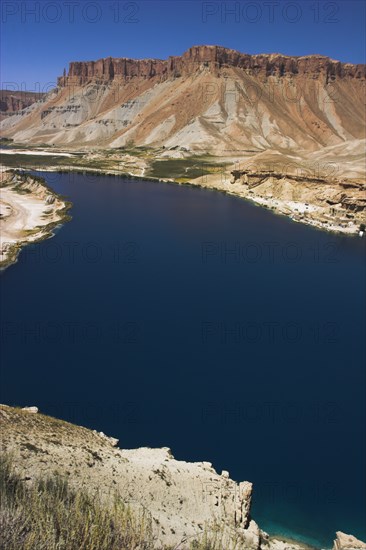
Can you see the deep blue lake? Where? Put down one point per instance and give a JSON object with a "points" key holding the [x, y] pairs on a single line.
{"points": [[173, 316]]}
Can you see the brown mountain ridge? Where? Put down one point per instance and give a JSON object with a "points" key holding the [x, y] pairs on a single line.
{"points": [[211, 98], [290, 130]]}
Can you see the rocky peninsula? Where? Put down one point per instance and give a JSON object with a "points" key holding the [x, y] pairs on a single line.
{"points": [[29, 211]]}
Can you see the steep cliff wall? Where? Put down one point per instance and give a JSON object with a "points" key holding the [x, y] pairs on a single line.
{"points": [[183, 501], [11, 102], [213, 57], [211, 98]]}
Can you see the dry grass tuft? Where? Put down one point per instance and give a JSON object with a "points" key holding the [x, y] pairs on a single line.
{"points": [[49, 515]]}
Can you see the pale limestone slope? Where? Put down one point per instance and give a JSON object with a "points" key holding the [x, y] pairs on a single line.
{"points": [[182, 499], [203, 109], [179, 499]]}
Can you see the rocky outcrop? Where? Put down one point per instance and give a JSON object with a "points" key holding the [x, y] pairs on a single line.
{"points": [[347, 542], [32, 410], [349, 196], [111, 440], [326, 202], [210, 99], [212, 58], [29, 212], [184, 501], [12, 102]]}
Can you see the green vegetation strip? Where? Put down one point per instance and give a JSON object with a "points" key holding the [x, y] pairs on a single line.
{"points": [[186, 168]]}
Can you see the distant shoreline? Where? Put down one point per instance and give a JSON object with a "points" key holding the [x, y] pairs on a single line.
{"points": [[275, 193]]}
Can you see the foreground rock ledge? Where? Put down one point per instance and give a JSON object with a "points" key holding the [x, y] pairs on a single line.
{"points": [[182, 498], [347, 542]]}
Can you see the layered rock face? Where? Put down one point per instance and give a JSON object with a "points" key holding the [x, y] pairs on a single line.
{"points": [[209, 99], [214, 58], [11, 102]]}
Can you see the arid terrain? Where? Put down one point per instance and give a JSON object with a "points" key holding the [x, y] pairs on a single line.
{"points": [[29, 211], [210, 98], [320, 197], [185, 502], [285, 132], [14, 101]]}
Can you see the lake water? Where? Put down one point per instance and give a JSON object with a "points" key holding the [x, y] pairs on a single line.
{"points": [[173, 316]]}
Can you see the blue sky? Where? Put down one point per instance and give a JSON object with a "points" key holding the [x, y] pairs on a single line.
{"points": [[40, 38]]}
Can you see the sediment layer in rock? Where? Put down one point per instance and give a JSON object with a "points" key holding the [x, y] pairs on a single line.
{"points": [[212, 57]]}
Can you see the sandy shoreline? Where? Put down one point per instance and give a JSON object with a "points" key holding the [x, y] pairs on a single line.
{"points": [[29, 211], [297, 211], [329, 204], [38, 153]]}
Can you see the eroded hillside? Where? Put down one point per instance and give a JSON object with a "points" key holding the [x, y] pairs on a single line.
{"points": [[210, 98]]}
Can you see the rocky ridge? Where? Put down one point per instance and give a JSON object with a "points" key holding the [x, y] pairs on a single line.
{"points": [[211, 99], [265, 110], [11, 101], [347, 542], [213, 58], [319, 201], [184, 500]]}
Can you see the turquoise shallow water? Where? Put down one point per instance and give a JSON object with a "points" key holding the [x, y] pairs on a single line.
{"points": [[181, 317], [286, 533]]}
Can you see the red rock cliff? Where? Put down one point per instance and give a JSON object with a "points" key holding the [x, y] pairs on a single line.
{"points": [[11, 101], [214, 57]]}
